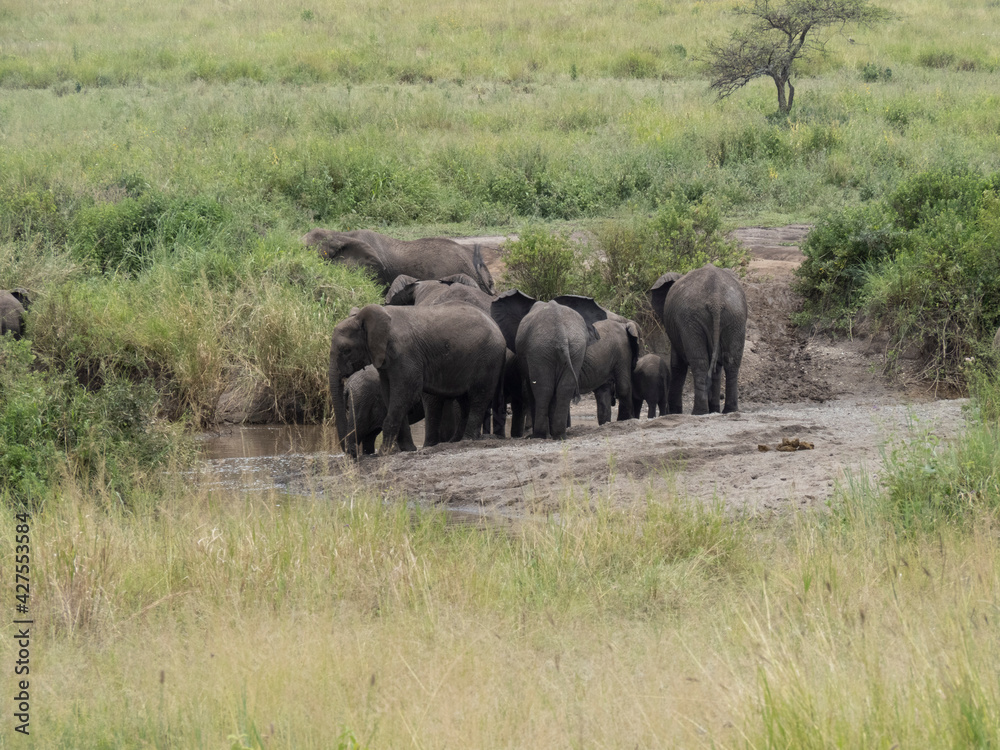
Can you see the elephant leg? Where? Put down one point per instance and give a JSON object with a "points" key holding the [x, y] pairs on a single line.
{"points": [[678, 374], [623, 387], [714, 390], [517, 417], [406, 437], [559, 416], [603, 398], [732, 389], [541, 398], [651, 412], [433, 417], [368, 444], [467, 427], [702, 383]]}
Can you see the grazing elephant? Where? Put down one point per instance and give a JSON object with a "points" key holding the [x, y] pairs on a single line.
{"points": [[12, 307], [704, 313], [386, 257], [650, 384], [550, 344], [407, 290], [365, 413], [609, 361], [436, 352]]}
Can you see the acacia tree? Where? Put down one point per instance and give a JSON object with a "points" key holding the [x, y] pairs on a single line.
{"points": [[780, 33]]}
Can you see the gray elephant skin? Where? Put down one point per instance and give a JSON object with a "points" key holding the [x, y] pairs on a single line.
{"points": [[407, 290], [550, 344], [434, 352], [608, 365], [704, 314], [650, 385], [365, 413], [13, 303], [387, 257]]}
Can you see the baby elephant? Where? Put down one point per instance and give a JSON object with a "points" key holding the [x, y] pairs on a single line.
{"points": [[650, 383]]}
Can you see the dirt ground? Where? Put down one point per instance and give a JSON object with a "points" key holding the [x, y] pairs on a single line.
{"points": [[828, 393]]}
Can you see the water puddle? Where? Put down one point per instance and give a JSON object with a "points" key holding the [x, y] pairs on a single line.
{"points": [[298, 459]]}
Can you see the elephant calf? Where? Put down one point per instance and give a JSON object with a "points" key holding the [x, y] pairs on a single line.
{"points": [[365, 413], [650, 384]]}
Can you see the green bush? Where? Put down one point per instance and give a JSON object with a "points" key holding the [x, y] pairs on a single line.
{"points": [[921, 267], [52, 428], [122, 236], [631, 255], [540, 264]]}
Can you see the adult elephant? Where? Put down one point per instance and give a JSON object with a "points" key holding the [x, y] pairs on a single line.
{"points": [[704, 314], [407, 290], [386, 257], [650, 385], [550, 344], [365, 412], [13, 303], [436, 352]]}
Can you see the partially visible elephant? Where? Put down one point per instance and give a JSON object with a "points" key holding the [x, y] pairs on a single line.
{"points": [[996, 341], [387, 257], [704, 314], [550, 344], [365, 413], [609, 361], [407, 290], [13, 303], [650, 384], [434, 352]]}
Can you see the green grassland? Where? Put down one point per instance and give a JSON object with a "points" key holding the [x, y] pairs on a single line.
{"points": [[158, 163]]}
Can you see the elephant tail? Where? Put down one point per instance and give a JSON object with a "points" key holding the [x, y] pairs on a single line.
{"points": [[716, 336], [566, 362]]}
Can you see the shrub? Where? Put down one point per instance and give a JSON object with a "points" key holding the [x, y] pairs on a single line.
{"points": [[51, 427], [921, 267], [631, 255], [540, 264]]}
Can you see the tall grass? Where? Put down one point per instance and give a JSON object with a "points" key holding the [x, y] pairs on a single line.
{"points": [[296, 621]]}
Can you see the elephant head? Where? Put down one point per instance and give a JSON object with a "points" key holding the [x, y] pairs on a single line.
{"points": [[343, 247], [658, 293], [358, 340], [507, 311]]}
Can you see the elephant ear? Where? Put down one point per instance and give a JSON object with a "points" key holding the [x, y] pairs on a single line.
{"points": [[633, 341], [482, 272], [460, 278], [376, 324], [588, 309], [22, 296], [658, 293], [401, 290], [507, 311]]}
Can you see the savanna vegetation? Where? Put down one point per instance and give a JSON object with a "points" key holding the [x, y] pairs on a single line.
{"points": [[157, 165]]}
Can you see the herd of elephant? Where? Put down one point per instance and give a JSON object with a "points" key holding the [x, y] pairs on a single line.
{"points": [[447, 349]]}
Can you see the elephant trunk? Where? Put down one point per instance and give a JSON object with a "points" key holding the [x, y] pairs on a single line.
{"points": [[346, 434]]}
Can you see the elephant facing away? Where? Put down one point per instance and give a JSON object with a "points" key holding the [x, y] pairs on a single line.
{"points": [[387, 257], [704, 314], [365, 413], [608, 365], [436, 352], [13, 303], [550, 346], [650, 385]]}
